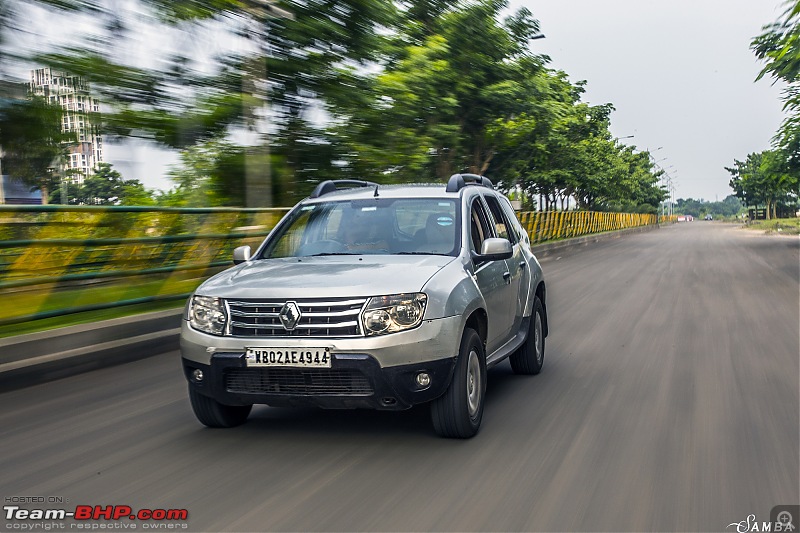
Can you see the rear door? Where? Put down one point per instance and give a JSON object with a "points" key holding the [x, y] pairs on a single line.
{"points": [[517, 265], [493, 279]]}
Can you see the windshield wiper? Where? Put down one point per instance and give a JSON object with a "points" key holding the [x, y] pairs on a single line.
{"points": [[418, 253], [332, 253]]}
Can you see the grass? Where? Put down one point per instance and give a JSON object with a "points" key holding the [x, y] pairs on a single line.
{"points": [[783, 226]]}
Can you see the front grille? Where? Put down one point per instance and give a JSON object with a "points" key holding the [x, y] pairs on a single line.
{"points": [[298, 381], [318, 318]]}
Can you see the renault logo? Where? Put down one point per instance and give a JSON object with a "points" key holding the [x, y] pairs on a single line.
{"points": [[289, 315]]}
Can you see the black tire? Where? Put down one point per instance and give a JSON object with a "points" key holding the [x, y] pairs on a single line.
{"points": [[213, 414], [529, 358], [458, 412]]}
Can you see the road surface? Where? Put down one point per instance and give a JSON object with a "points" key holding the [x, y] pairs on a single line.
{"points": [[668, 401]]}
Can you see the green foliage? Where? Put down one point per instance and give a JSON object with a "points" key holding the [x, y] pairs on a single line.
{"points": [[764, 179], [105, 186], [731, 206], [412, 90], [31, 140], [211, 174], [779, 48], [773, 176]]}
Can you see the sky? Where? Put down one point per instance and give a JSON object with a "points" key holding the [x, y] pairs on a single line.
{"points": [[680, 74]]}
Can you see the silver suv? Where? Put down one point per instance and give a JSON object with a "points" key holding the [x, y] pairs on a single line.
{"points": [[371, 296]]}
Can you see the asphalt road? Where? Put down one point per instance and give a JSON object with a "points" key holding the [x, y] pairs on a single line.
{"points": [[668, 401]]}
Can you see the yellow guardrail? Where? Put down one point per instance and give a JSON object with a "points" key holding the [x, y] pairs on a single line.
{"points": [[59, 260], [552, 225]]}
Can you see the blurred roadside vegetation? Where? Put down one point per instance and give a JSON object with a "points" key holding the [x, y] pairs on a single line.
{"points": [[771, 179], [59, 264], [729, 208], [265, 98], [784, 226]]}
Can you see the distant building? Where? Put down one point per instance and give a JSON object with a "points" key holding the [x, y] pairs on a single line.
{"points": [[15, 192], [72, 94]]}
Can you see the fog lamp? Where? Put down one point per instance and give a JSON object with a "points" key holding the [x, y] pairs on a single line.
{"points": [[423, 379]]}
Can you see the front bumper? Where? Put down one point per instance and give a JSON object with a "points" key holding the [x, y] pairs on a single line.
{"points": [[433, 339], [353, 381], [373, 372]]}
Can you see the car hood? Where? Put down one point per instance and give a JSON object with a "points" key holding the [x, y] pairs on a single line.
{"points": [[328, 276]]}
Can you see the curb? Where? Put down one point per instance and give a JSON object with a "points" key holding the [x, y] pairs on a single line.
{"points": [[29, 359], [546, 249]]}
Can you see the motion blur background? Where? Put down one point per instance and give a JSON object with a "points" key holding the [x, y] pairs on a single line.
{"points": [[144, 106]]}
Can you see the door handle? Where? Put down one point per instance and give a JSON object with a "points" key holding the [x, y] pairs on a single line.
{"points": [[522, 265], [507, 276]]}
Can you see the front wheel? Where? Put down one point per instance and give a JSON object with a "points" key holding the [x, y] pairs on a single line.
{"points": [[530, 356], [458, 412], [213, 414]]}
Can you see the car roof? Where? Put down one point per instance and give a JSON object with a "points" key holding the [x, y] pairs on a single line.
{"points": [[406, 190], [415, 190]]}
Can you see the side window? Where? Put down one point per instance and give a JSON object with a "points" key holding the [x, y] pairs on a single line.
{"points": [[479, 225], [516, 227], [501, 223]]}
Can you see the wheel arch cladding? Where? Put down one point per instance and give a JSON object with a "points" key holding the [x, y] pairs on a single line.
{"points": [[541, 293], [478, 322]]}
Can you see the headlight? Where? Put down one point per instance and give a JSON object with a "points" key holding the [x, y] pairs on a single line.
{"points": [[207, 315], [390, 314]]}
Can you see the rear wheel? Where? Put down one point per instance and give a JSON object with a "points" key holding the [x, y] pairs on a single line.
{"points": [[458, 412], [530, 357], [213, 414]]}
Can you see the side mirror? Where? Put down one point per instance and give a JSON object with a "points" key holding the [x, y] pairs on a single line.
{"points": [[495, 249], [241, 254]]}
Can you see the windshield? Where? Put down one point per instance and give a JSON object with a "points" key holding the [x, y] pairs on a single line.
{"points": [[428, 226]]}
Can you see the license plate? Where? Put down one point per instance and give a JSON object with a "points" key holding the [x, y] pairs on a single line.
{"points": [[291, 357]]}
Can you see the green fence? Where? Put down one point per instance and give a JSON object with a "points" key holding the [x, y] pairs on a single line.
{"points": [[58, 260], [61, 260]]}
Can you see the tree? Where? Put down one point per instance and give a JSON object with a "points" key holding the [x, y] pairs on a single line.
{"points": [[31, 141], [211, 173], [104, 187], [461, 73], [135, 193], [391, 91], [779, 47], [766, 178], [293, 61], [762, 178]]}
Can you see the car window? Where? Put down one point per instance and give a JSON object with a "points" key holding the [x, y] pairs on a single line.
{"points": [[369, 226], [501, 223], [516, 227], [479, 225]]}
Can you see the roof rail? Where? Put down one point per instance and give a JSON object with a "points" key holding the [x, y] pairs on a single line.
{"points": [[459, 181], [330, 186]]}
